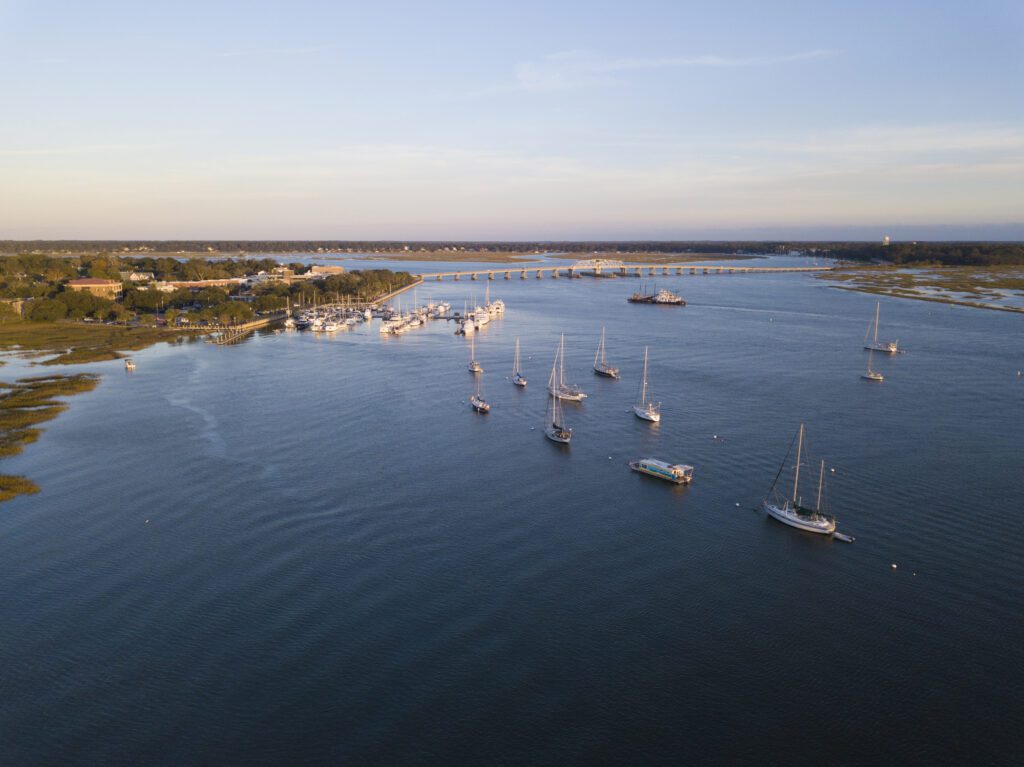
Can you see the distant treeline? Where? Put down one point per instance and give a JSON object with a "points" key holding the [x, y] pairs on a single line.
{"points": [[945, 253], [921, 253]]}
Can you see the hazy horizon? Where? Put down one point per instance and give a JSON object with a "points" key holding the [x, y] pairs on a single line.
{"points": [[663, 120]]}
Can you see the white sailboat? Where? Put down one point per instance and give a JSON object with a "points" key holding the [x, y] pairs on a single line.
{"points": [[872, 375], [558, 386], [889, 347], [474, 366], [644, 408], [477, 401], [517, 376], [791, 511], [554, 426], [601, 366]]}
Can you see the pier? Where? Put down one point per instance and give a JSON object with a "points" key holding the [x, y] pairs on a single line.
{"points": [[607, 268]]}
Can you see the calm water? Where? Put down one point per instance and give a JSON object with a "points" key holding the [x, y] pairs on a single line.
{"points": [[310, 550]]}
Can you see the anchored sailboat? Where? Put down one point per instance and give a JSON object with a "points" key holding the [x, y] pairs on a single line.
{"points": [[889, 347], [517, 377], [792, 511], [601, 366], [554, 427], [474, 366], [479, 404], [649, 411], [872, 375], [558, 386]]}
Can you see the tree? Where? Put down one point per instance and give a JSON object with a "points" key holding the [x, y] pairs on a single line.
{"points": [[47, 310]]}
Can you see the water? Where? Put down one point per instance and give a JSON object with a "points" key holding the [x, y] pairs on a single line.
{"points": [[310, 550]]}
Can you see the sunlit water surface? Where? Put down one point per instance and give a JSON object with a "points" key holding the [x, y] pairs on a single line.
{"points": [[310, 550]]}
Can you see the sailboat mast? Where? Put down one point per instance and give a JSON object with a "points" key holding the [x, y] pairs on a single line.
{"points": [[796, 476], [643, 385], [878, 307], [515, 362], [561, 361], [599, 357], [821, 481]]}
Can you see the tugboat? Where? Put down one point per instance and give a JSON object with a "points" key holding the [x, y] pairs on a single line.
{"points": [[662, 297]]}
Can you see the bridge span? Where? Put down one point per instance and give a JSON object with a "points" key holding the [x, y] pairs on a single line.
{"points": [[603, 268]]}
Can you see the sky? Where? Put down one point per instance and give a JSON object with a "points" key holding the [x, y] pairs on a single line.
{"points": [[525, 120]]}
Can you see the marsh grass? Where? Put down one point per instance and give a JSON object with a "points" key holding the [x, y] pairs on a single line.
{"points": [[976, 287], [24, 405], [11, 486], [76, 342]]}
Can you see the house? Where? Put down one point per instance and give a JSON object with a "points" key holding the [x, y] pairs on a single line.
{"points": [[96, 286], [137, 276]]}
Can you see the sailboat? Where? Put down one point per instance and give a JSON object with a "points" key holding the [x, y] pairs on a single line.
{"points": [[479, 404], [558, 386], [889, 347], [791, 511], [645, 409], [474, 366], [601, 366], [517, 377], [554, 427], [872, 375]]}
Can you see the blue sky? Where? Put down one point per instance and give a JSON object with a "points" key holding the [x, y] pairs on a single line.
{"points": [[520, 120]]}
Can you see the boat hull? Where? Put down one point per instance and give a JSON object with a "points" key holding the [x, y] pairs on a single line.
{"points": [[646, 415], [667, 476], [568, 396], [555, 434], [479, 405], [518, 380], [878, 377], [819, 524], [882, 348], [606, 372]]}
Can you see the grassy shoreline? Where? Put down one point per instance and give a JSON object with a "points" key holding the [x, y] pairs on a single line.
{"points": [[974, 287], [78, 342], [24, 405]]}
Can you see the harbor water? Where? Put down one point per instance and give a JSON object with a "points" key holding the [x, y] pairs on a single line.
{"points": [[308, 549]]}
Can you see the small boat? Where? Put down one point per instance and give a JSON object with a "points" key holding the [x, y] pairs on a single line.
{"points": [[517, 377], [644, 408], [477, 401], [872, 375], [367, 315], [888, 347], [129, 364], [679, 473], [601, 366], [554, 426], [474, 366], [558, 386], [792, 512]]}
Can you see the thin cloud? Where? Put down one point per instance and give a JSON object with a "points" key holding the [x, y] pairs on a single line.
{"points": [[577, 69]]}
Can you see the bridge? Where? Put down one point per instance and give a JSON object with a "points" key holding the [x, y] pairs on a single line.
{"points": [[600, 267]]}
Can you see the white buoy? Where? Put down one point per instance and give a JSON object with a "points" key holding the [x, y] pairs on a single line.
{"points": [[737, 505], [833, 471], [893, 565]]}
